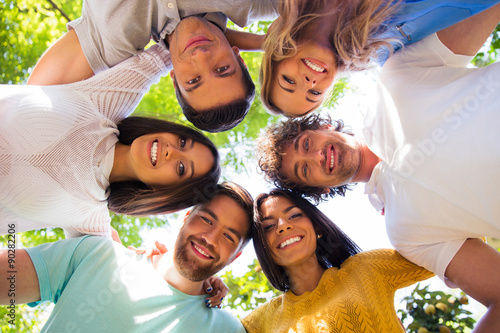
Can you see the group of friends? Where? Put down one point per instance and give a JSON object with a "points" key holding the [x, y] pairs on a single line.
{"points": [[70, 152]]}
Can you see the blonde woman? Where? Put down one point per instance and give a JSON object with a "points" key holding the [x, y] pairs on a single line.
{"points": [[314, 40]]}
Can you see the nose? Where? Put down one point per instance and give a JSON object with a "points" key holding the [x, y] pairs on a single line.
{"points": [[172, 152], [202, 53], [283, 225], [310, 80], [211, 237], [317, 156]]}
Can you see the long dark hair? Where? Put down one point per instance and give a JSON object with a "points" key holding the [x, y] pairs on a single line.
{"points": [[333, 248], [137, 198]]}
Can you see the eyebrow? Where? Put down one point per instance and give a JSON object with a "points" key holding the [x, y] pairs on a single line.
{"points": [[286, 210], [220, 76], [192, 163], [192, 170], [212, 214], [296, 147]]}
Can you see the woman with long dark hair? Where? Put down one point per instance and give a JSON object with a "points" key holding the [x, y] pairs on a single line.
{"points": [[67, 152], [314, 40], [327, 282]]}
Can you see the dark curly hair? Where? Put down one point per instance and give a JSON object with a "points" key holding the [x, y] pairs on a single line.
{"points": [[276, 137]]}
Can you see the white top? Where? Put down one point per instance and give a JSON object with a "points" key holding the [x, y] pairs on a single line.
{"points": [[439, 178], [57, 145]]}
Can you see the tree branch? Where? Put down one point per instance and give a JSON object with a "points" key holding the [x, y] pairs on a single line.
{"points": [[56, 7]]}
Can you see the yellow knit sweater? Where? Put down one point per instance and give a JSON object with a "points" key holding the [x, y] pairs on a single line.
{"points": [[358, 297]]}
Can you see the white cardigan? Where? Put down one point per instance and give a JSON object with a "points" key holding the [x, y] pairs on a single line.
{"points": [[57, 145]]}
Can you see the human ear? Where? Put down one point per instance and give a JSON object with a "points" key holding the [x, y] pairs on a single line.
{"points": [[172, 77], [236, 50], [186, 216], [236, 256]]}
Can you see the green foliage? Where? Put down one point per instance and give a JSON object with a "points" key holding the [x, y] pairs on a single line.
{"points": [[490, 53], [436, 311], [250, 290], [27, 29], [129, 227], [26, 319]]}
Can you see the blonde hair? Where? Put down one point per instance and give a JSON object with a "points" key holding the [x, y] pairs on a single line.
{"points": [[353, 35]]}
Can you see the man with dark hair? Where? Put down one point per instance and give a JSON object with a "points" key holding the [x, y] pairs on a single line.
{"points": [[221, 117], [100, 286], [430, 159], [210, 75]]}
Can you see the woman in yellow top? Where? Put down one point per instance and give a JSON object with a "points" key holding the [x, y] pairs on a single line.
{"points": [[328, 284]]}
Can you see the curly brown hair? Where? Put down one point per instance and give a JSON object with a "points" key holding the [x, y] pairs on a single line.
{"points": [[276, 137], [353, 37]]}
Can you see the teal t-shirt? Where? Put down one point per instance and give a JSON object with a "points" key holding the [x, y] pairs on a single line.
{"points": [[100, 286]]}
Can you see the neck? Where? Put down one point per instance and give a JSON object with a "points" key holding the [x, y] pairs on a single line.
{"points": [[120, 162], [179, 282], [305, 276], [164, 265], [368, 162]]}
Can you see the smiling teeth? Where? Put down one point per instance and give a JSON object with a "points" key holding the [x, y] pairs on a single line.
{"points": [[154, 152], [314, 66], [290, 241], [201, 251], [331, 160]]}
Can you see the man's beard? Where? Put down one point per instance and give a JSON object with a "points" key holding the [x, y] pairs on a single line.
{"points": [[188, 267]]}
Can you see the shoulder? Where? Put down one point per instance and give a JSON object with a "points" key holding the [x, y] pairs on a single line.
{"points": [[389, 265], [367, 257], [262, 315], [429, 52], [229, 323], [379, 260]]}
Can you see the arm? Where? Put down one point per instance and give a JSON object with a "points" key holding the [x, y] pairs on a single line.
{"points": [[64, 62], [469, 35], [476, 270], [26, 287], [403, 273], [117, 91], [245, 41]]}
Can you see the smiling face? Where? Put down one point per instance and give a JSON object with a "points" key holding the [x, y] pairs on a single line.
{"points": [[322, 158], [301, 82], [288, 231], [206, 67], [166, 159], [211, 238]]}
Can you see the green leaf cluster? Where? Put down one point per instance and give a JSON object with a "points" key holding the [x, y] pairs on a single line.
{"points": [[250, 290], [27, 29], [436, 312], [490, 52]]}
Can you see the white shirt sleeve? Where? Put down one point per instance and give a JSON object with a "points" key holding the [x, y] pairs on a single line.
{"points": [[117, 91]]}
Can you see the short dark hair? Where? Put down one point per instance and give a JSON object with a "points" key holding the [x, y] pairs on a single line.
{"points": [[277, 136], [223, 117], [244, 199], [333, 247], [137, 198]]}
